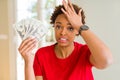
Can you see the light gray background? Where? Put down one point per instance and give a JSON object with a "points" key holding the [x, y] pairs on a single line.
{"points": [[103, 17]]}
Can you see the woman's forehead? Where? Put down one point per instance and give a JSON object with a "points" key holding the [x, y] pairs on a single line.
{"points": [[61, 19]]}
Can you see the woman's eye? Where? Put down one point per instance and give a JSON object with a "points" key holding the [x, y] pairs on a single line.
{"points": [[58, 27], [70, 28]]}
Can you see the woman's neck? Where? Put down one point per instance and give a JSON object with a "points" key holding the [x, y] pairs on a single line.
{"points": [[64, 51]]}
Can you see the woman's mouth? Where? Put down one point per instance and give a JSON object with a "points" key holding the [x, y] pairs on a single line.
{"points": [[63, 40]]}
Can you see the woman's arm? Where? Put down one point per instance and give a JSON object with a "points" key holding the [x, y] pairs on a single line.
{"points": [[29, 73], [101, 56], [25, 50], [39, 78]]}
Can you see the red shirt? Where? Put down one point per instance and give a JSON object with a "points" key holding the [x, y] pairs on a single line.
{"points": [[74, 67]]}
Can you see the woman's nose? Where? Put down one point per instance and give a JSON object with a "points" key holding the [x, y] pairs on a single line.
{"points": [[63, 31]]}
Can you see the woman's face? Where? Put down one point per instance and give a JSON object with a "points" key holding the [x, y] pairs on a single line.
{"points": [[64, 31]]}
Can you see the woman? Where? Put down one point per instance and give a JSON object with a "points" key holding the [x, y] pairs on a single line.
{"points": [[66, 59]]}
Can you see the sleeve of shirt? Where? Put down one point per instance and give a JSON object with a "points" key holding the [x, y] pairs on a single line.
{"points": [[37, 65], [86, 55]]}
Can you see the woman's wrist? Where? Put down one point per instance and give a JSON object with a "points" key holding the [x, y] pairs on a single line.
{"points": [[28, 63], [29, 60], [83, 28]]}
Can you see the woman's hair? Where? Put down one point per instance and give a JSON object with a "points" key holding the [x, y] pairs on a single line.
{"points": [[58, 11]]}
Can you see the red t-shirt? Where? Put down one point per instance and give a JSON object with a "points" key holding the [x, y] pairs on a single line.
{"points": [[74, 67]]}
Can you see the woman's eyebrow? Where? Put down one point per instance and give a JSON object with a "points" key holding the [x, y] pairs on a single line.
{"points": [[58, 22], [61, 23], [68, 24]]}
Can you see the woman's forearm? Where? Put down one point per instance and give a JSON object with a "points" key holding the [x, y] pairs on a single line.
{"points": [[29, 73], [101, 56]]}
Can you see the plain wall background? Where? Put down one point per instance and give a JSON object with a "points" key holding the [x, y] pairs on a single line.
{"points": [[103, 18]]}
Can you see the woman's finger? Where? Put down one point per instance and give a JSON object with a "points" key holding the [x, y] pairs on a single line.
{"points": [[80, 12], [24, 42], [64, 11], [71, 6], [67, 9], [28, 45], [28, 50], [65, 4]]}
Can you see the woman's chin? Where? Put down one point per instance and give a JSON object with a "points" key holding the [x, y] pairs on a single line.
{"points": [[62, 44]]}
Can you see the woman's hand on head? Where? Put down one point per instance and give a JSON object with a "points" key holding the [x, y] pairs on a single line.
{"points": [[26, 48], [74, 18]]}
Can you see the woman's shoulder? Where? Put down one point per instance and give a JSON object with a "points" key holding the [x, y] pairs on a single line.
{"points": [[80, 45], [45, 49]]}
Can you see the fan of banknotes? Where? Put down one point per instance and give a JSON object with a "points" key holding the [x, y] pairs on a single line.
{"points": [[31, 28]]}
